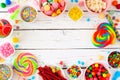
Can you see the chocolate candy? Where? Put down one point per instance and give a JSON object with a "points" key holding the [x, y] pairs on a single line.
{"points": [[52, 7], [97, 71], [114, 59]]}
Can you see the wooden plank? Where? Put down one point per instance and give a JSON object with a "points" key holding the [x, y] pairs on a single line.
{"points": [[58, 39], [60, 22], [69, 57]]}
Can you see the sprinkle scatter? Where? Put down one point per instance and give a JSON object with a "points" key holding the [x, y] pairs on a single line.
{"points": [[114, 59], [28, 14], [25, 64], [6, 50], [51, 73], [5, 72], [74, 71], [97, 71], [5, 28], [52, 7]]}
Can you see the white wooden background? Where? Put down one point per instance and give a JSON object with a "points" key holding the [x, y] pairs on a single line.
{"points": [[60, 39]]}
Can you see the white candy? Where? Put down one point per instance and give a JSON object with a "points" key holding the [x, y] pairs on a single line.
{"points": [[96, 5]]}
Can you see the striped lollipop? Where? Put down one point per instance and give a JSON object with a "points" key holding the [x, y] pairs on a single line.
{"points": [[105, 34], [25, 64]]}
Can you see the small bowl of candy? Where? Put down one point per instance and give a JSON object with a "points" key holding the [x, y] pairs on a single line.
{"points": [[114, 59], [51, 73], [5, 28], [6, 72], [6, 50], [97, 6], [52, 8], [97, 71], [74, 72]]}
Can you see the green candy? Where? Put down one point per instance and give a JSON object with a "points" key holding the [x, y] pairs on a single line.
{"points": [[50, 1], [90, 75], [90, 68], [3, 5]]}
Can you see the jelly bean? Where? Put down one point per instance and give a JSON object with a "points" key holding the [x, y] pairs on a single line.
{"points": [[46, 7]]}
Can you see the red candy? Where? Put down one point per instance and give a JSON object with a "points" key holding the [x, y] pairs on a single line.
{"points": [[118, 6], [97, 71], [47, 74], [5, 28]]}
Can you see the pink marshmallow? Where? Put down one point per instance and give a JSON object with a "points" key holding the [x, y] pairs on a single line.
{"points": [[55, 5]]}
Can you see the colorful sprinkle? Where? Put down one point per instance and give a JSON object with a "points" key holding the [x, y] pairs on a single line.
{"points": [[5, 72], [28, 14]]}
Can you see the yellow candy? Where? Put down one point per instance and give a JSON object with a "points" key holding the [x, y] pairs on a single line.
{"points": [[55, 0], [101, 15], [46, 7], [75, 13], [96, 65], [58, 11], [1, 59], [15, 39], [104, 75], [54, 14]]}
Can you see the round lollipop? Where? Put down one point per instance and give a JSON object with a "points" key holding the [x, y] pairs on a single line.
{"points": [[105, 34], [97, 71], [25, 64], [114, 59], [5, 72], [5, 28]]}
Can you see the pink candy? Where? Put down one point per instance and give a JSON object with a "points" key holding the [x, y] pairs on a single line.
{"points": [[55, 5], [52, 7], [11, 10], [6, 49]]}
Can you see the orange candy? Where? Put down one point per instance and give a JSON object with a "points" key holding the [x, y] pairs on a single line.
{"points": [[115, 2]]}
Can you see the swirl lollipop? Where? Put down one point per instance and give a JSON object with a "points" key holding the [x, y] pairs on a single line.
{"points": [[105, 34], [25, 64]]}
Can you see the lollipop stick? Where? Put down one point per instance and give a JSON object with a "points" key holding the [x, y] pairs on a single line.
{"points": [[110, 19]]}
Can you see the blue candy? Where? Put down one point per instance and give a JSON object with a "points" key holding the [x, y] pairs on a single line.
{"points": [[116, 75], [8, 2]]}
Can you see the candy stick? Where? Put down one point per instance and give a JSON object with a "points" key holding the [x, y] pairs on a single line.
{"points": [[15, 14], [11, 10]]}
